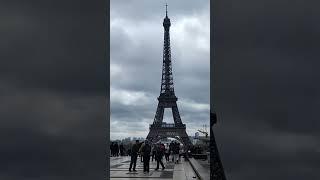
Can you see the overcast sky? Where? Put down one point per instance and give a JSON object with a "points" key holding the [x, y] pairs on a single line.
{"points": [[136, 45]]}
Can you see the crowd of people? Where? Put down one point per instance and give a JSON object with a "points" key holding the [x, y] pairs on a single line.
{"points": [[146, 150], [117, 150], [156, 151]]}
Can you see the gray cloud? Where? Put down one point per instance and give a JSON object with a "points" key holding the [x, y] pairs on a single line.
{"points": [[136, 41]]}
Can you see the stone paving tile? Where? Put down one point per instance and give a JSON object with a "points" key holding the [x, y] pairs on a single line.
{"points": [[119, 170], [203, 172], [190, 174], [183, 171]]}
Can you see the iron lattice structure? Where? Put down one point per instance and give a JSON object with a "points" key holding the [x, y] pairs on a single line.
{"points": [[216, 168], [167, 99]]}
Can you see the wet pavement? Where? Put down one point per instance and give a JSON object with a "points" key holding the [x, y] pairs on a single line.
{"points": [[119, 169]]}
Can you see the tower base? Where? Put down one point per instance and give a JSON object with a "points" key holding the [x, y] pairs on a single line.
{"points": [[158, 132]]}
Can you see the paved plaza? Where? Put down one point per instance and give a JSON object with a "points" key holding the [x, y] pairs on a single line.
{"points": [[119, 169]]}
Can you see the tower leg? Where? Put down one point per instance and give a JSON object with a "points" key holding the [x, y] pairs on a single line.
{"points": [[159, 114], [176, 115]]}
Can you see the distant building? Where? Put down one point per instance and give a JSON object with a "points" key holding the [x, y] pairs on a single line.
{"points": [[126, 140]]}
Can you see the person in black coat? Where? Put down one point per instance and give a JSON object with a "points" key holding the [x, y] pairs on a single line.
{"points": [[134, 155], [146, 150], [153, 148], [141, 153], [116, 149], [159, 155], [167, 152], [121, 149], [111, 149], [176, 152], [171, 148]]}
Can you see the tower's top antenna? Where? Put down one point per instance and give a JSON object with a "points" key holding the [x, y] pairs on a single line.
{"points": [[166, 10], [166, 20]]}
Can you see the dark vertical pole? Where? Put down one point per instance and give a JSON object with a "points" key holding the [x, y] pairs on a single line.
{"points": [[216, 168]]}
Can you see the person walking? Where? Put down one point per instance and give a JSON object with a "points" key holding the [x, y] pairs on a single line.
{"points": [[162, 147], [153, 149], [121, 149], [134, 155], [171, 147], [176, 152], [111, 149], [167, 152], [146, 150], [117, 149], [181, 152], [129, 152], [140, 151], [159, 155]]}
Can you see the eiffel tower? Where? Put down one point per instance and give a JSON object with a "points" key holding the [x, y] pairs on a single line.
{"points": [[167, 99]]}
